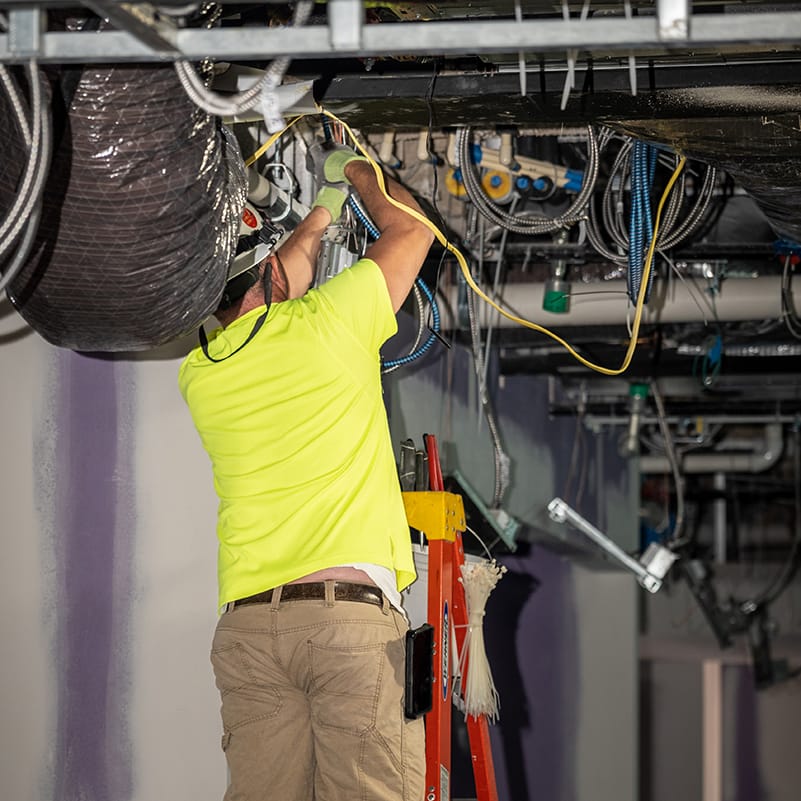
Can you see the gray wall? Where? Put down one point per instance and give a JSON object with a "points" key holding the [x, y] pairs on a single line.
{"points": [[561, 637], [108, 579]]}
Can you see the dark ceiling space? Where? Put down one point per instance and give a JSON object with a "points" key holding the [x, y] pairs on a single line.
{"points": [[717, 82]]}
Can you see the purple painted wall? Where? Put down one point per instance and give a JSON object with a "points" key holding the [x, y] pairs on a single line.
{"points": [[93, 543]]}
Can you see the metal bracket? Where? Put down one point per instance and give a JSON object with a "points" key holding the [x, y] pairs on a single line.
{"points": [[25, 26], [674, 19], [345, 24]]}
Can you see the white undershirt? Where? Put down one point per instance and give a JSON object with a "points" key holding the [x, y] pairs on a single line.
{"points": [[384, 579]]}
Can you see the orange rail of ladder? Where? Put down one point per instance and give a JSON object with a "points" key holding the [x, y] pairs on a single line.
{"points": [[440, 516]]}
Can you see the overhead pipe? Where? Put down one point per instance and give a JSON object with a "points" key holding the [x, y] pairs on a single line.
{"points": [[765, 455], [606, 303]]}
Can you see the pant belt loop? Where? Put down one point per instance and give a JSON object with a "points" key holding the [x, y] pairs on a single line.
{"points": [[275, 601], [385, 604], [329, 592]]}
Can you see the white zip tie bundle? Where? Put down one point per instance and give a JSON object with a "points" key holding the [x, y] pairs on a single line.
{"points": [[478, 689]]}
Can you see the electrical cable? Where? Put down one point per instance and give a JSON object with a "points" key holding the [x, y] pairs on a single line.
{"points": [[525, 224], [24, 249], [632, 345], [420, 286], [637, 172], [230, 106], [421, 327], [495, 289], [676, 539], [415, 354], [250, 160], [26, 208], [17, 104], [501, 460]]}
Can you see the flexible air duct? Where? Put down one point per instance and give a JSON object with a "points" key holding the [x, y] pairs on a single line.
{"points": [[140, 216], [762, 152]]}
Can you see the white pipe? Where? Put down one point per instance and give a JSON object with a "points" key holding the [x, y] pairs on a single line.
{"points": [[422, 147], [505, 156], [606, 303], [719, 518], [764, 456]]}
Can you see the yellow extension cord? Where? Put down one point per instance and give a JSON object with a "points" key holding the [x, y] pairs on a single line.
{"points": [[640, 305]]}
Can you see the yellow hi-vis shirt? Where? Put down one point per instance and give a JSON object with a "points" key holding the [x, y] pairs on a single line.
{"points": [[298, 437]]}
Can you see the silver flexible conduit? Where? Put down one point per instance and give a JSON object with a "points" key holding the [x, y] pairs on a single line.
{"points": [[501, 459], [526, 224], [612, 227], [37, 135], [232, 105]]}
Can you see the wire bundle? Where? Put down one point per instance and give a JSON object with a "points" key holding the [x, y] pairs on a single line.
{"points": [[526, 224], [610, 233], [214, 103], [641, 223], [34, 124]]}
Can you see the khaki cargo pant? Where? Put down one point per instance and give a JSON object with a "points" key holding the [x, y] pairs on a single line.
{"points": [[312, 703]]}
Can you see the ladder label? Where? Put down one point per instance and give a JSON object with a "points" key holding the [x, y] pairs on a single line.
{"points": [[444, 783], [446, 639]]}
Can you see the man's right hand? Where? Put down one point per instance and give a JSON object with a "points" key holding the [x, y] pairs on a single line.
{"points": [[327, 161]]}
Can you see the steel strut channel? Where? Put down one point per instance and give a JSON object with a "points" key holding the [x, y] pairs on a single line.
{"points": [[440, 516], [348, 34]]}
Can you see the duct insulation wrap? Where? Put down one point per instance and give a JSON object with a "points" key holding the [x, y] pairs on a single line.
{"points": [[140, 216], [762, 152]]}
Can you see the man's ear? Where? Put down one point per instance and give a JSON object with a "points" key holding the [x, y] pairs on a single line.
{"points": [[280, 281]]}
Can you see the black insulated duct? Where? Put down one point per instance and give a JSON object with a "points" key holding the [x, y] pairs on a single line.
{"points": [[140, 211], [760, 151]]}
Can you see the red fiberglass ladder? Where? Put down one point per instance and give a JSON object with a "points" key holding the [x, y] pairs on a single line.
{"points": [[440, 516]]}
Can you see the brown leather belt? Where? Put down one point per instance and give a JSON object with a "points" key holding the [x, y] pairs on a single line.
{"points": [[315, 591]]}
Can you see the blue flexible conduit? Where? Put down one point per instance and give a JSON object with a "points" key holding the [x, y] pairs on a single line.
{"points": [[369, 226], [641, 224], [362, 217]]}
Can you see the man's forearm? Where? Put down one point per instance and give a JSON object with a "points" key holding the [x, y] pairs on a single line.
{"points": [[384, 214], [401, 249], [299, 253]]}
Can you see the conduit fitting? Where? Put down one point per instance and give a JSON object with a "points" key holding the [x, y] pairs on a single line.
{"points": [[638, 393], [505, 152], [556, 292]]}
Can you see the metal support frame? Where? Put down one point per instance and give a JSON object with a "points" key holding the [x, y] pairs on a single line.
{"points": [[345, 21], [347, 34]]}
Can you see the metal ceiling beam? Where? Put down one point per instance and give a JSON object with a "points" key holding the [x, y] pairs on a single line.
{"points": [[350, 37]]}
